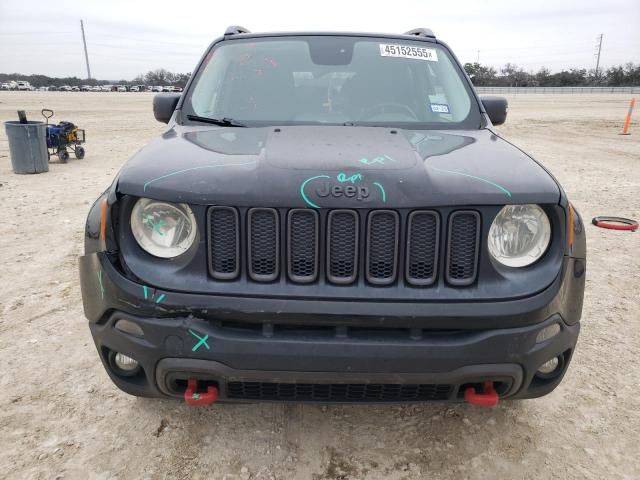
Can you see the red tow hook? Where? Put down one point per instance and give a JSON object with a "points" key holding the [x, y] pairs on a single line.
{"points": [[489, 398], [193, 397]]}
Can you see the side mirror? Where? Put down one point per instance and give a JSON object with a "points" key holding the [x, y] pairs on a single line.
{"points": [[163, 106], [496, 108]]}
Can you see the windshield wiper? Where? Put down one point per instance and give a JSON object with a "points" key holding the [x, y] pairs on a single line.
{"points": [[223, 122]]}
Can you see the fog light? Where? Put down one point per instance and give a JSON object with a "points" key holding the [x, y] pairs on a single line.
{"points": [[547, 367], [125, 363], [548, 332]]}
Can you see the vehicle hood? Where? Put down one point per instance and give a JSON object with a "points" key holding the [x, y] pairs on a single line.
{"points": [[334, 167]]}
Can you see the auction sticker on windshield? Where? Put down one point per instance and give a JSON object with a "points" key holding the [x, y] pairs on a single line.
{"points": [[406, 51]]}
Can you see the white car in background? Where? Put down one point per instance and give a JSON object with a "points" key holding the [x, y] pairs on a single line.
{"points": [[65, 88], [157, 88], [75, 88], [135, 88], [5, 86], [169, 88], [121, 88], [23, 85]]}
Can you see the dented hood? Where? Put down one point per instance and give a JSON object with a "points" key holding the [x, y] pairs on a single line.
{"points": [[335, 166]]}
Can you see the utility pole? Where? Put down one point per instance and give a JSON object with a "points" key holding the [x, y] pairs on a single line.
{"points": [[599, 47], [86, 55]]}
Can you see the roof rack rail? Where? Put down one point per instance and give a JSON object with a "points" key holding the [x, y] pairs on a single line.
{"points": [[421, 32], [235, 30]]}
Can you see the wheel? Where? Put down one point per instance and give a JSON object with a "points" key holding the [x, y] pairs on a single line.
{"points": [[79, 151], [63, 155]]}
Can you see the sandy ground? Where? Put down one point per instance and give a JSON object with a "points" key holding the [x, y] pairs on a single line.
{"points": [[61, 417]]}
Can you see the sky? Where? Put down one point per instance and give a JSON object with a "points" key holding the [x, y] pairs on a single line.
{"points": [[129, 37]]}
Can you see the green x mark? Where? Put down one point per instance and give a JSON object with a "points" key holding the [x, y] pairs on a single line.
{"points": [[154, 225], [195, 395], [202, 341]]}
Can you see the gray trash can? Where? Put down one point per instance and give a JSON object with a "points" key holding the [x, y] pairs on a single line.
{"points": [[28, 146]]}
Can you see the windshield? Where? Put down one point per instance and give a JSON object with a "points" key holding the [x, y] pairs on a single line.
{"points": [[333, 80]]}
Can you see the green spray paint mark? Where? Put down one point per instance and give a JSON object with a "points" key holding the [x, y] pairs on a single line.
{"points": [[101, 285], [144, 188], [500, 187], [342, 177], [160, 298], [195, 396], [384, 194], [146, 292], [155, 226], [379, 160], [202, 341], [304, 184]]}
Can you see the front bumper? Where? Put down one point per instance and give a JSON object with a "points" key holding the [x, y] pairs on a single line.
{"points": [[172, 351], [265, 349]]}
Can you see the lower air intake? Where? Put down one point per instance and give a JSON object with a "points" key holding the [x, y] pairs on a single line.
{"points": [[338, 392]]}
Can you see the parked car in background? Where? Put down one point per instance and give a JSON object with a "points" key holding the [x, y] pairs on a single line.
{"points": [[65, 88], [23, 85], [52, 88], [5, 86], [168, 88], [157, 88], [121, 88], [75, 88], [149, 88], [86, 88]]}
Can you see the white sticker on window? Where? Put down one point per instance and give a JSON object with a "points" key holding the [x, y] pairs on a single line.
{"points": [[407, 51], [440, 108]]}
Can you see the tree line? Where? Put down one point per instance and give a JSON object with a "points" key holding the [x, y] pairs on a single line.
{"points": [[152, 77], [511, 75]]}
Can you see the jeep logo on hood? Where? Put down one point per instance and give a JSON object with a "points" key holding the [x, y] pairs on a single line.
{"points": [[350, 191], [353, 187]]}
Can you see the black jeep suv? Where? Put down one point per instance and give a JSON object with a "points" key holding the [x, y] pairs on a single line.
{"points": [[332, 217]]}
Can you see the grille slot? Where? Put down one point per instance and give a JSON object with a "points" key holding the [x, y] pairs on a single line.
{"points": [[422, 247], [224, 245], [264, 244], [462, 257], [342, 246], [338, 392], [302, 245], [382, 247]]}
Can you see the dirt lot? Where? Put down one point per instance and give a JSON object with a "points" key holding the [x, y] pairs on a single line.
{"points": [[61, 417]]}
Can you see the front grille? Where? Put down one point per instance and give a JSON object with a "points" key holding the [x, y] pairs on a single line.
{"points": [[382, 247], [224, 252], [338, 392], [424, 228], [462, 260], [303, 245], [343, 247], [264, 247]]}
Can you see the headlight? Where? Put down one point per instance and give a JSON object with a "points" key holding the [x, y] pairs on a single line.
{"points": [[519, 235], [163, 229]]}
